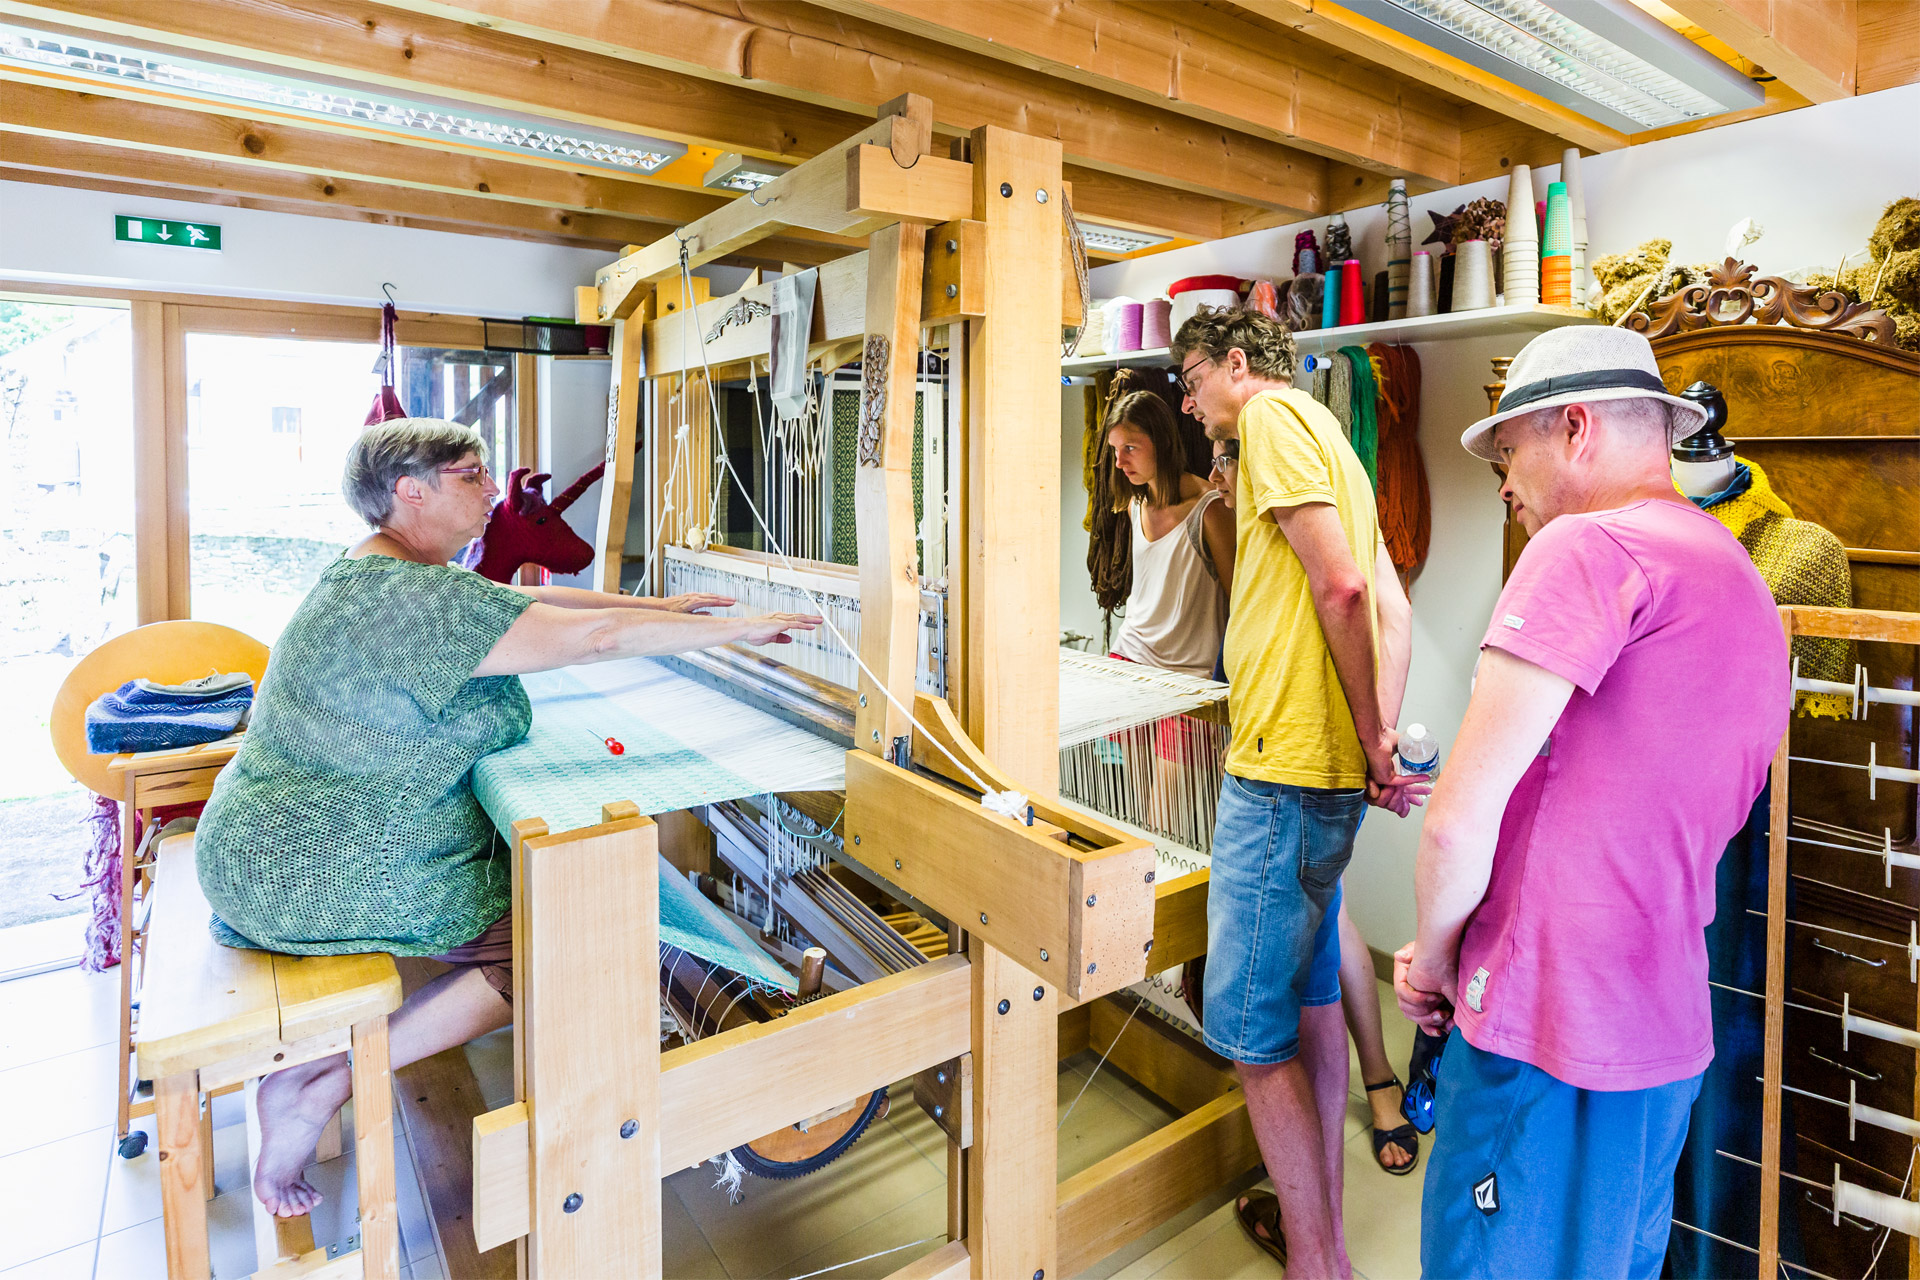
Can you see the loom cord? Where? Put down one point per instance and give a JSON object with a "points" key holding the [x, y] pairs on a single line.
{"points": [[1401, 494]]}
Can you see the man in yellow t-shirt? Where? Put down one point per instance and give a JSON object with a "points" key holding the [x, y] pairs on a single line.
{"points": [[1317, 645]]}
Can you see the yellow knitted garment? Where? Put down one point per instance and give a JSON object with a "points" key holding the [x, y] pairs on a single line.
{"points": [[1801, 563]]}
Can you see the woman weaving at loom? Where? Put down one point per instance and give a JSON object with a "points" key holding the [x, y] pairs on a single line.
{"points": [[347, 821]]}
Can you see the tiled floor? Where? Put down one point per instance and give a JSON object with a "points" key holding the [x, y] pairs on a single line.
{"points": [[74, 1210]]}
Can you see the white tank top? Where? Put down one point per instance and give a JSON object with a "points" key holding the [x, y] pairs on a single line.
{"points": [[1176, 612]]}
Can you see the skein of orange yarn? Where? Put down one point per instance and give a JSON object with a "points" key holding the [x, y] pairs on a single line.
{"points": [[1406, 518]]}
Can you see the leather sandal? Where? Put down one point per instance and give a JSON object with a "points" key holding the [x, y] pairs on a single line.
{"points": [[1406, 1137], [1259, 1214]]}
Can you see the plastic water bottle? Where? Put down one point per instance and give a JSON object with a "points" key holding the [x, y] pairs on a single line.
{"points": [[1419, 752]]}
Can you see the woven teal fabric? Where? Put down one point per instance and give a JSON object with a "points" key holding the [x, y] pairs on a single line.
{"points": [[346, 822], [562, 773]]}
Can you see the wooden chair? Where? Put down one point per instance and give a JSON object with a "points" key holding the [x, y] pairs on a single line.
{"points": [[145, 781], [213, 1017]]}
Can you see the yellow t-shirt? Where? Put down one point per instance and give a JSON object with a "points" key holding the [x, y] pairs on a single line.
{"points": [[1291, 722]]}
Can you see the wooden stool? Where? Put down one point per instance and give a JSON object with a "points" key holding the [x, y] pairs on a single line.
{"points": [[213, 1016]]}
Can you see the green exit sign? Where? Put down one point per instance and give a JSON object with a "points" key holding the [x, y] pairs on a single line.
{"points": [[184, 235]]}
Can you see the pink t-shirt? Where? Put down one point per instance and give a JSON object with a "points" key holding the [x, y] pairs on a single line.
{"points": [[1587, 958]]}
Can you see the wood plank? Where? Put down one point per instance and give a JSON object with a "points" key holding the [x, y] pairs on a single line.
{"points": [[1013, 1166], [278, 1056], [932, 190], [1179, 920], [592, 1062], [948, 1262], [1811, 45], [883, 485], [712, 1092], [173, 352], [1139, 1187], [1773, 1030], [1853, 624], [955, 283], [1889, 35], [373, 1147], [799, 53], [183, 1194], [322, 993], [149, 464], [1013, 509], [1010, 883], [1351, 32], [628, 347], [1203, 63], [502, 1176], [439, 1099], [200, 1001]]}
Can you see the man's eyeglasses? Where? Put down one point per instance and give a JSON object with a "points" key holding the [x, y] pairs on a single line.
{"points": [[1186, 388]]}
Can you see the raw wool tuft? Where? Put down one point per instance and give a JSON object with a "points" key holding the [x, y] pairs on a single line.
{"points": [[1624, 277], [1898, 229], [1890, 278]]}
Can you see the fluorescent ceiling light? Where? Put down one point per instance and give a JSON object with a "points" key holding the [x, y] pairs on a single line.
{"points": [[735, 172], [1607, 59], [1118, 240], [501, 132]]}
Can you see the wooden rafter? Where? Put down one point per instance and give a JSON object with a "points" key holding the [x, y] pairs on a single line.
{"points": [[1353, 33], [805, 54], [1811, 45], [62, 161], [1204, 63]]}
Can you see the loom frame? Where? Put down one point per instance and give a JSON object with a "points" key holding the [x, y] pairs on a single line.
{"points": [[553, 1170]]}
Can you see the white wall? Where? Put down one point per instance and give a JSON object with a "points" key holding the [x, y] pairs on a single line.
{"points": [[1816, 179]]}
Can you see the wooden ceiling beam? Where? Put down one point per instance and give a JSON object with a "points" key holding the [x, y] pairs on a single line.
{"points": [[1889, 45], [136, 122], [64, 162], [1204, 63], [807, 54], [423, 54], [1352, 33], [1812, 46]]}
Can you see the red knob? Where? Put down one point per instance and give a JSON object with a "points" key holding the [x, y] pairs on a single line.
{"points": [[614, 747]]}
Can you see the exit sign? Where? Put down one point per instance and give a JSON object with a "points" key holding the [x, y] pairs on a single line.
{"points": [[184, 235]]}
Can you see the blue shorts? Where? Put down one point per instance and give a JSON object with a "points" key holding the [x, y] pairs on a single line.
{"points": [[1529, 1176], [1273, 907]]}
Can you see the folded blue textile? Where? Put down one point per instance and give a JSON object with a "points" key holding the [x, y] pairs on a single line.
{"points": [[144, 716]]}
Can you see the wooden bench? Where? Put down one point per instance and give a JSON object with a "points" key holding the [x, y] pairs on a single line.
{"points": [[213, 1016]]}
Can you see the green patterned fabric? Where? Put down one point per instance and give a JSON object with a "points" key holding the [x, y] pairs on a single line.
{"points": [[846, 444], [346, 821]]}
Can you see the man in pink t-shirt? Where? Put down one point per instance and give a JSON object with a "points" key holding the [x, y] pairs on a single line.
{"points": [[1633, 685]]}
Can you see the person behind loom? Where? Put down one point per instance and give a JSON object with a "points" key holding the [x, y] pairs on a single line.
{"points": [[1396, 1144], [347, 821]]}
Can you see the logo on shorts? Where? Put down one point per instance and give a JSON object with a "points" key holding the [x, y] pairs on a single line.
{"points": [[1477, 987], [1513, 620], [1486, 1195]]}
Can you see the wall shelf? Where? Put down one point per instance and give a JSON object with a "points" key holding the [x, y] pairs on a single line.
{"points": [[1520, 321]]}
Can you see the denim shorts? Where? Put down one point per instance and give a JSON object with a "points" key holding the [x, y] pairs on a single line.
{"points": [[1273, 907]]}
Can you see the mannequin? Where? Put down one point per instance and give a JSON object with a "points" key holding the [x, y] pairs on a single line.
{"points": [[1703, 463], [1802, 562]]}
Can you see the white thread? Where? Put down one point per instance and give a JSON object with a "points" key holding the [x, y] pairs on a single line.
{"points": [[1096, 1068], [869, 1258]]}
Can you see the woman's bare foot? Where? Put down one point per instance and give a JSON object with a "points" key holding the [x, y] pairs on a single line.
{"points": [[294, 1106]]}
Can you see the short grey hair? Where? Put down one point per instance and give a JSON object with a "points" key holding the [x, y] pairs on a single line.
{"points": [[1640, 415], [416, 447]]}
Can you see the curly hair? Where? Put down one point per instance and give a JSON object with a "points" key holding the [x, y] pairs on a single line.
{"points": [[1147, 413], [1214, 331]]}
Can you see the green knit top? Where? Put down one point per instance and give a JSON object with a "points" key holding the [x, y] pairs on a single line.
{"points": [[347, 822]]}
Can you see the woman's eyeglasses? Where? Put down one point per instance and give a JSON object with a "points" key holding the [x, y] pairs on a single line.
{"points": [[479, 469]]}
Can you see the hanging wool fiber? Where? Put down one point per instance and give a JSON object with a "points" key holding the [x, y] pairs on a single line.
{"points": [[1363, 424], [1406, 516]]}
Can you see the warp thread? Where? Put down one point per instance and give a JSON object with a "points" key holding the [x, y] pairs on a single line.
{"points": [[1401, 495]]}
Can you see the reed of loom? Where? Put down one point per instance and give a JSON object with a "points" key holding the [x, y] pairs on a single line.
{"points": [[1856, 625], [1062, 911]]}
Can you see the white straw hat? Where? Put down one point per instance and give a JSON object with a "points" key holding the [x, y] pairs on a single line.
{"points": [[1579, 364]]}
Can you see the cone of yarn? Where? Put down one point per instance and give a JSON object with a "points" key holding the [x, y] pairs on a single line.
{"points": [[1353, 293], [1093, 334], [1155, 324], [1472, 276], [1559, 233], [1521, 229], [1556, 280], [1330, 298], [1399, 248], [1309, 262], [1577, 196], [1125, 326], [1420, 285]]}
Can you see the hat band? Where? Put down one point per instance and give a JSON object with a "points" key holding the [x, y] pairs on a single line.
{"points": [[1572, 383]]}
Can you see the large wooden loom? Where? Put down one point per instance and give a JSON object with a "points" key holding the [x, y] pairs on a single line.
{"points": [[1047, 917]]}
